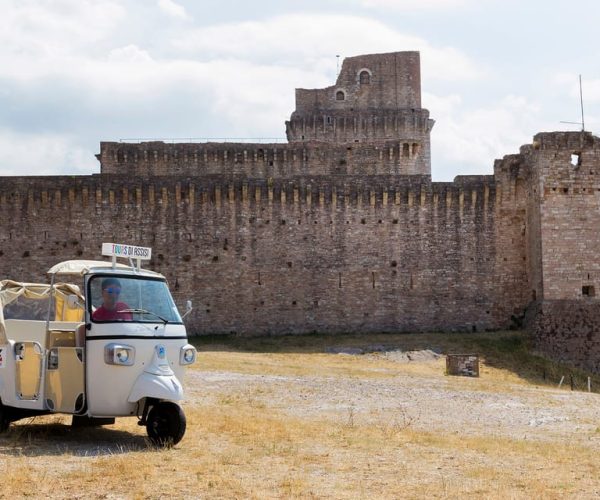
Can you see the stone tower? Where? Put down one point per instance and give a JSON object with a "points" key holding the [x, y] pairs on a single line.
{"points": [[376, 99], [562, 174]]}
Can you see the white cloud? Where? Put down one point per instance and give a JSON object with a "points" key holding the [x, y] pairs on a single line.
{"points": [[570, 82], [173, 9], [43, 154], [44, 38], [468, 140], [406, 5], [306, 40], [129, 54], [591, 90], [51, 27], [270, 47], [235, 79]]}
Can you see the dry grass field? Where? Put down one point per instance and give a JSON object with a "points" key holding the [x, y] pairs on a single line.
{"points": [[289, 418]]}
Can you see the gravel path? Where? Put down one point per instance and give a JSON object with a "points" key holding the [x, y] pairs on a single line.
{"points": [[449, 404]]}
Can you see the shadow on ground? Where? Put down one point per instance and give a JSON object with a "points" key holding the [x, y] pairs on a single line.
{"points": [[507, 350], [28, 439]]}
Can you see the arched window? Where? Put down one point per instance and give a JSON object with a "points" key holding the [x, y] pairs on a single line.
{"points": [[340, 96], [364, 77]]}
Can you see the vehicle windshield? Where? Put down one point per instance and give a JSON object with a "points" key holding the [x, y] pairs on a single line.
{"points": [[126, 298]]}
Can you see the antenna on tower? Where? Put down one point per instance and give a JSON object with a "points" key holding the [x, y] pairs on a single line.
{"points": [[582, 122], [581, 102], [337, 71]]}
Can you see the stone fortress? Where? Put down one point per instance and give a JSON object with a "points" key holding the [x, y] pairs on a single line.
{"points": [[341, 229]]}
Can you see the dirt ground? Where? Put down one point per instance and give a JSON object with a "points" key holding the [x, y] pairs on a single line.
{"points": [[386, 423], [427, 403]]}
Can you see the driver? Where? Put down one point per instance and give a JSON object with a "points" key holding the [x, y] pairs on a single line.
{"points": [[111, 307]]}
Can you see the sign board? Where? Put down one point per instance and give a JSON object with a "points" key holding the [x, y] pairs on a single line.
{"points": [[126, 251], [466, 365]]}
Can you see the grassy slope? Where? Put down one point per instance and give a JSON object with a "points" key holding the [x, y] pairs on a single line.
{"points": [[510, 351]]}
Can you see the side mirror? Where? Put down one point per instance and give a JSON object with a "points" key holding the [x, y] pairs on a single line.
{"points": [[188, 308]]}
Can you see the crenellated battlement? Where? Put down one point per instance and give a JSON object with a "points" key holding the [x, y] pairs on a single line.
{"points": [[264, 160], [342, 126], [106, 192], [564, 141]]}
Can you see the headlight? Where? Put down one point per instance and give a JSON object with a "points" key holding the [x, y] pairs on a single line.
{"points": [[122, 355], [187, 355], [118, 354]]}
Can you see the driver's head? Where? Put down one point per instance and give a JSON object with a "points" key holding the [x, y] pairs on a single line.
{"points": [[111, 289]]}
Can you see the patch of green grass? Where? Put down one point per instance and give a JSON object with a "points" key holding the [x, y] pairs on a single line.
{"points": [[507, 350]]}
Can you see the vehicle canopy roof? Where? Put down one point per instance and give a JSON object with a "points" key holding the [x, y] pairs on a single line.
{"points": [[11, 290], [82, 267]]}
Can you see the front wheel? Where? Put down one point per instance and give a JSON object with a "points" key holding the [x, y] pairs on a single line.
{"points": [[165, 424]]}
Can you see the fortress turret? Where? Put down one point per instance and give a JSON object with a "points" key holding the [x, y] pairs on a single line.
{"points": [[376, 99]]}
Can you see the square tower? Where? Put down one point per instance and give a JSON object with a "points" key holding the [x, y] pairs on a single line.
{"points": [[376, 99]]}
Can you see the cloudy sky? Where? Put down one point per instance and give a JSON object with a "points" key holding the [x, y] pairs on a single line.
{"points": [[77, 72]]}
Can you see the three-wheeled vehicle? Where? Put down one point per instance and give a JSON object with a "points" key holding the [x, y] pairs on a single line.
{"points": [[119, 348]]}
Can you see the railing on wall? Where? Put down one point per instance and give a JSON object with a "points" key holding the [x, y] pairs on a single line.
{"points": [[174, 140]]}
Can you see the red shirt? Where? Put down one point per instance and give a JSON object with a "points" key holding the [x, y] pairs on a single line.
{"points": [[103, 314]]}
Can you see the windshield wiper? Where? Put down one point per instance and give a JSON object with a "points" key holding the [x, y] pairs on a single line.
{"points": [[144, 311]]}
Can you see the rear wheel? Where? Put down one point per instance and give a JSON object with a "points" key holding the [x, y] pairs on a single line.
{"points": [[165, 424], [4, 420]]}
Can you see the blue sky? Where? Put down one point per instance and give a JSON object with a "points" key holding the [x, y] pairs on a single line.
{"points": [[77, 72]]}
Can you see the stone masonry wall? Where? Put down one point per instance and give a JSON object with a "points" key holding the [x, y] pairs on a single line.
{"points": [[313, 253], [511, 237], [567, 330], [394, 83]]}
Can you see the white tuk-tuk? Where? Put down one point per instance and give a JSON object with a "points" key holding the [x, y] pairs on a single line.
{"points": [[118, 349]]}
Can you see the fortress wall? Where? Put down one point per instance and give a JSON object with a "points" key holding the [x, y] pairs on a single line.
{"points": [[270, 256], [264, 161], [357, 264]]}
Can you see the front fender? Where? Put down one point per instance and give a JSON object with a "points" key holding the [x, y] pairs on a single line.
{"points": [[149, 385]]}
